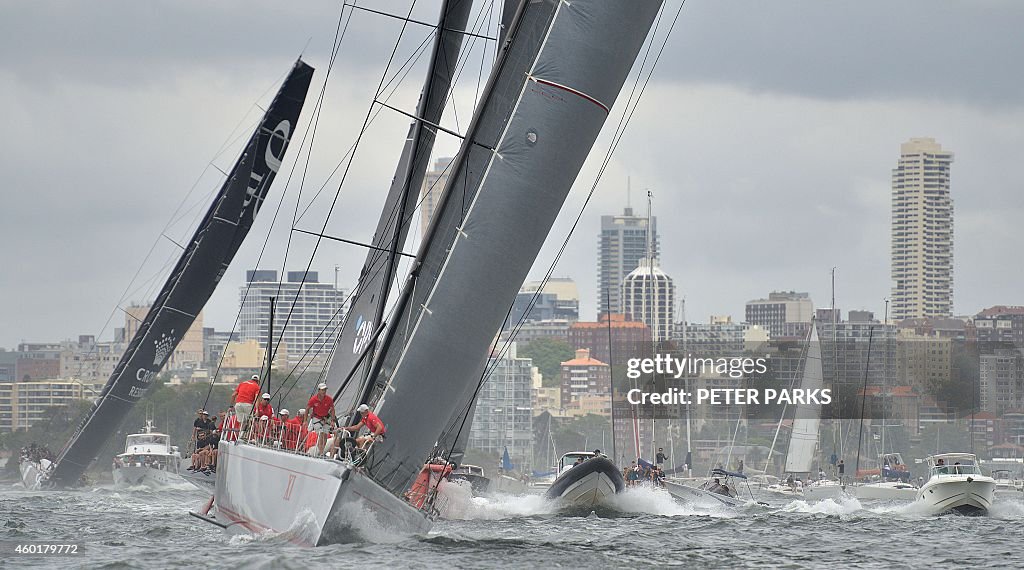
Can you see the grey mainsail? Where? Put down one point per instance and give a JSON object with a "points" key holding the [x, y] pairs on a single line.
{"points": [[366, 311], [545, 103], [194, 278]]}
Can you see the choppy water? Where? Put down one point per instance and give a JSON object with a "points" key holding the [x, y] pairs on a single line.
{"points": [[146, 529]]}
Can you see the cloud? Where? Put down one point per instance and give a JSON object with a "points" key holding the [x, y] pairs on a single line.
{"points": [[767, 137]]}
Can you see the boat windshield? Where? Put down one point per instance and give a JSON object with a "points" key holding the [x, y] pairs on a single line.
{"points": [[956, 469], [147, 439], [570, 459]]}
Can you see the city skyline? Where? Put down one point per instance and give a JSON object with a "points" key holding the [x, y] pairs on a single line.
{"points": [[770, 162]]}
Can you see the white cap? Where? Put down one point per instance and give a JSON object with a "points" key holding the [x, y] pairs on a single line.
{"points": [[302, 410], [265, 418], [322, 386], [284, 411], [363, 408], [255, 377], [266, 396]]}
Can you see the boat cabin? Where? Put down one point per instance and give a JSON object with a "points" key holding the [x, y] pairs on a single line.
{"points": [[472, 470], [947, 464], [570, 459]]}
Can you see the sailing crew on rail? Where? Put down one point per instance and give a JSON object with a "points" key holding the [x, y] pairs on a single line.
{"points": [[372, 423], [244, 397], [321, 412]]}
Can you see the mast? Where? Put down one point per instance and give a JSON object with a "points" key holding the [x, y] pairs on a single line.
{"points": [[194, 278], [366, 311], [863, 400], [611, 371], [270, 343], [548, 95]]}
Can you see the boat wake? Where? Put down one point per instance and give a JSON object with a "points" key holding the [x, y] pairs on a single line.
{"points": [[833, 507]]}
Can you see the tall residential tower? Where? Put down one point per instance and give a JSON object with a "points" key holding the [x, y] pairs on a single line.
{"points": [[622, 244], [922, 232]]}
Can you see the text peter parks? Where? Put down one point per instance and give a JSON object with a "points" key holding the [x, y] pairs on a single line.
{"points": [[665, 380]]}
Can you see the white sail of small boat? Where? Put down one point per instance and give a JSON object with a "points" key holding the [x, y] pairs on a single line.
{"points": [[548, 95]]}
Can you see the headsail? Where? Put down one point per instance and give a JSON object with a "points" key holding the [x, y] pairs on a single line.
{"points": [[366, 310], [545, 103], [194, 278], [804, 440]]}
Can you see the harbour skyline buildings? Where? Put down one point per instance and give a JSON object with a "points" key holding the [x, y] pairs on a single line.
{"points": [[311, 310], [649, 296], [623, 242], [922, 231]]}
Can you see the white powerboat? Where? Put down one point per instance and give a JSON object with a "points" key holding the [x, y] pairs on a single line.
{"points": [[148, 460], [585, 479], [473, 475], [721, 490], [1006, 484], [955, 484]]}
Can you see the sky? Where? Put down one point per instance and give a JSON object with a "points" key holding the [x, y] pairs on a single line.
{"points": [[767, 136]]}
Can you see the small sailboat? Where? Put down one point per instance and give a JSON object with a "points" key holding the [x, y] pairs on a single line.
{"points": [[894, 483], [148, 460], [803, 442], [956, 485]]}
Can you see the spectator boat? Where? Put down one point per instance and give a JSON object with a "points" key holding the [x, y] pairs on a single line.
{"points": [[956, 485]]}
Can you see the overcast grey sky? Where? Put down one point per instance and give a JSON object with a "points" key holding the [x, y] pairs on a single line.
{"points": [[767, 136]]}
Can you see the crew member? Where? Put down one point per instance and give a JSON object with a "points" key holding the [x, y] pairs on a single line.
{"points": [[244, 397], [264, 408], [321, 412], [372, 423]]}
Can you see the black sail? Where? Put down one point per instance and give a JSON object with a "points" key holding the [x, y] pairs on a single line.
{"points": [[366, 311], [193, 279], [545, 103]]}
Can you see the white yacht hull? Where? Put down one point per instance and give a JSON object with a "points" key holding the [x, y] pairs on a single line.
{"points": [[136, 476], [964, 494], [699, 497], [822, 491], [886, 491], [310, 501]]}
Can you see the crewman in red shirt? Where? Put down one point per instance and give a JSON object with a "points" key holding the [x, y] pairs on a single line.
{"points": [[264, 408], [244, 397], [372, 423], [321, 413]]}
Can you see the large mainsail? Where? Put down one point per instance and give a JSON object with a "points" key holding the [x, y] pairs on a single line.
{"points": [[545, 103], [366, 310], [194, 278], [804, 440]]}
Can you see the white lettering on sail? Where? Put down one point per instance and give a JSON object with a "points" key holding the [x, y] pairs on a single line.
{"points": [[258, 181], [281, 133]]}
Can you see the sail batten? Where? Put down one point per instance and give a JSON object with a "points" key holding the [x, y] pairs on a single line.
{"points": [[496, 212], [193, 279]]}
